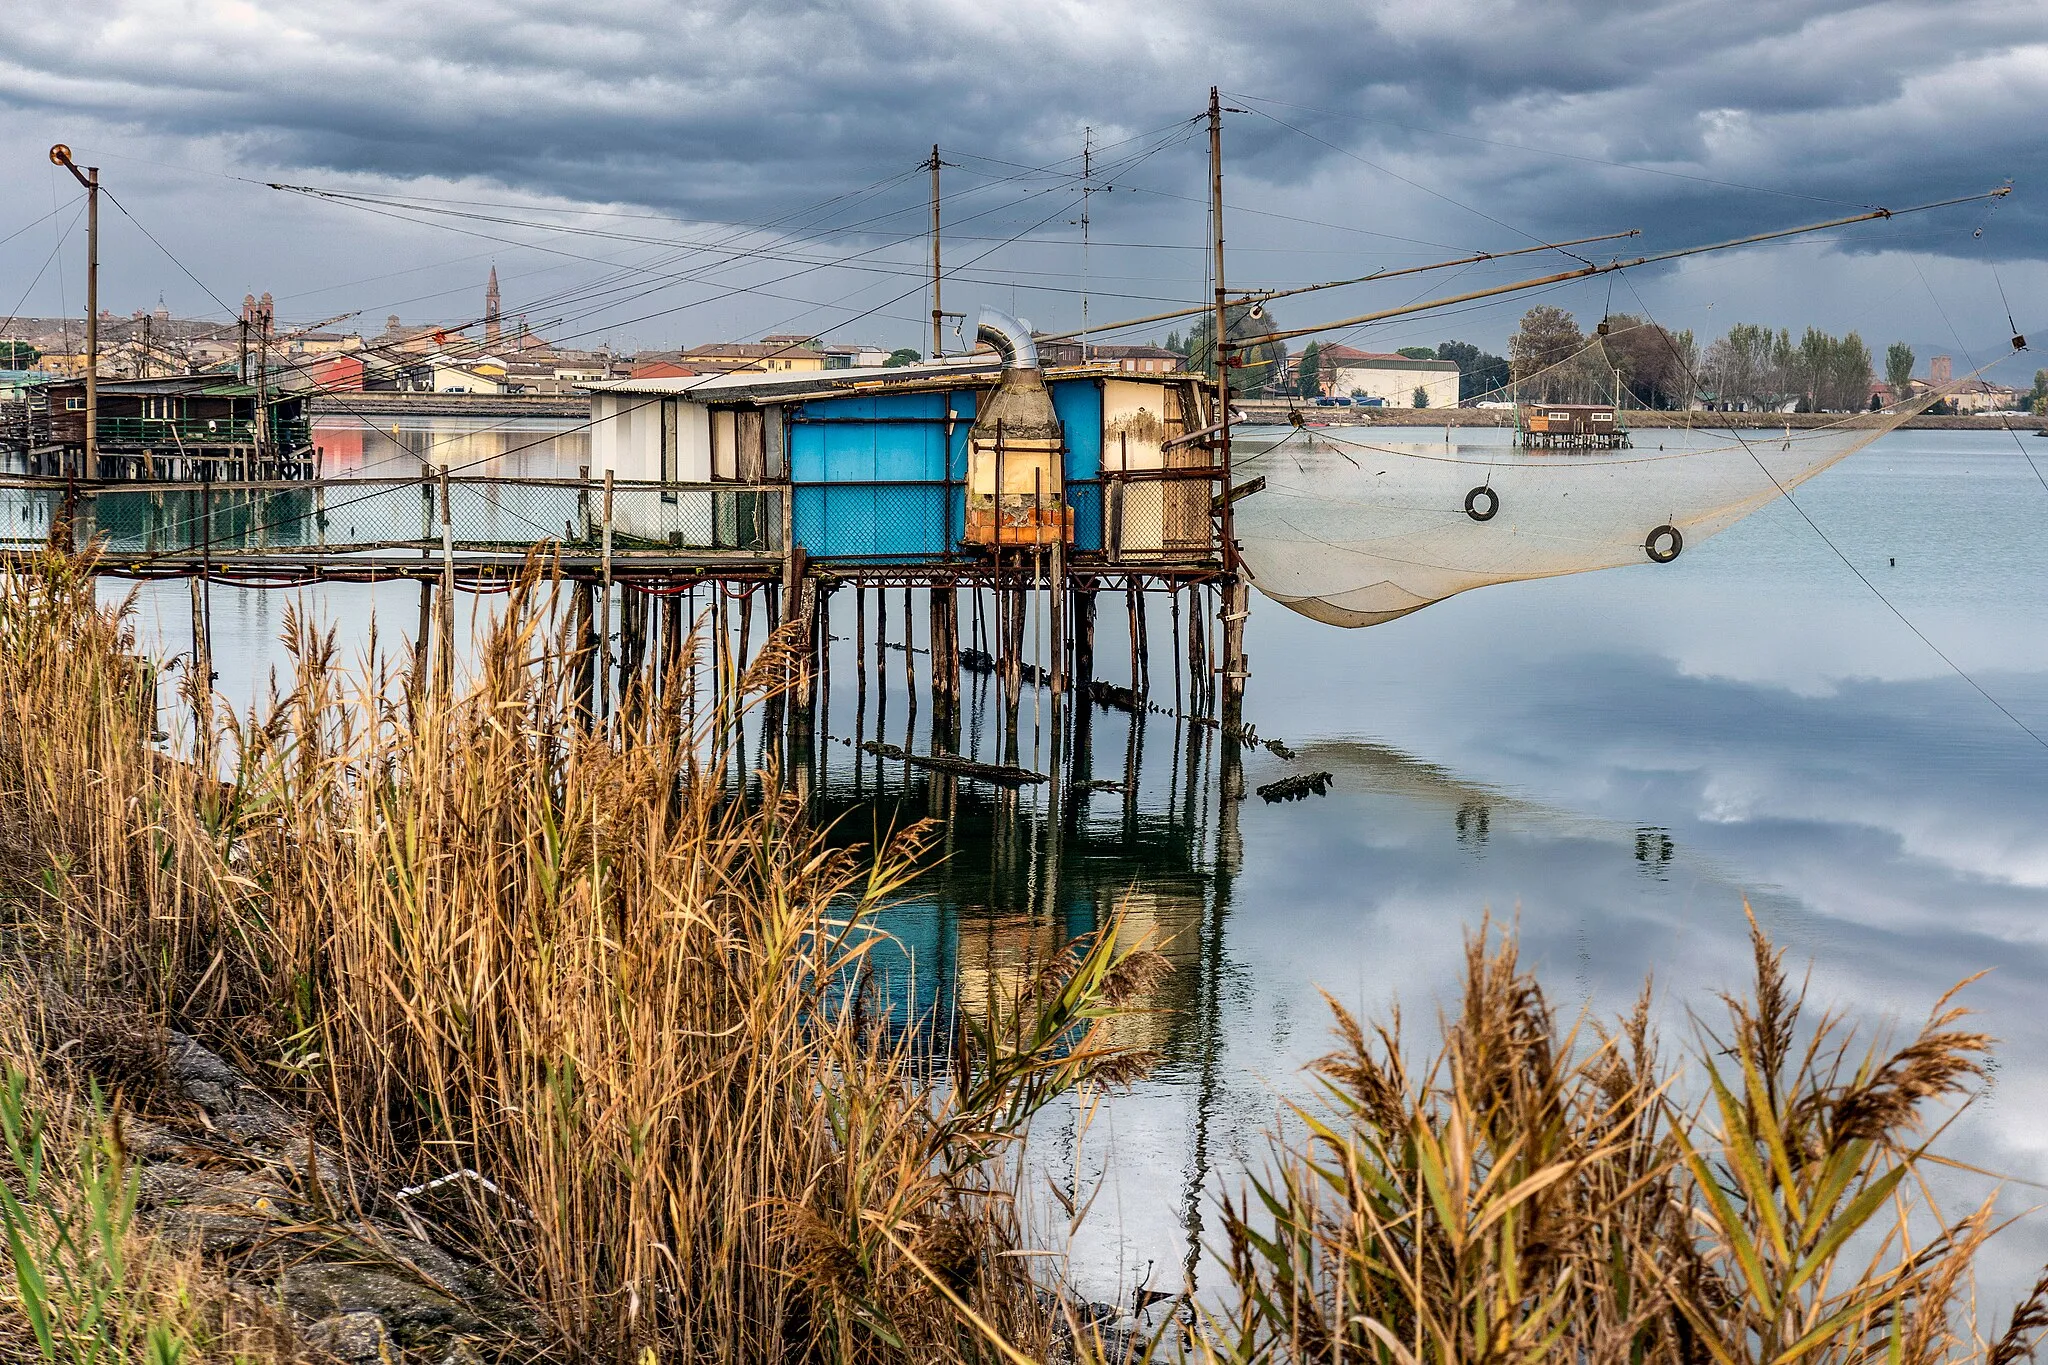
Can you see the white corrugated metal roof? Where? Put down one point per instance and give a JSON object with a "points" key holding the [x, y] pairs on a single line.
{"points": [[738, 382], [741, 384]]}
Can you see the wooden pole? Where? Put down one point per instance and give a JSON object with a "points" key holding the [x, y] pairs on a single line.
{"points": [[1236, 596], [1173, 592], [89, 178], [92, 323], [672, 629], [201, 674], [604, 610], [586, 650], [1131, 631], [447, 649], [1084, 633], [938, 310], [909, 655]]}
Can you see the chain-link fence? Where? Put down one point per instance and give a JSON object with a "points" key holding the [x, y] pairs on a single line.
{"points": [[352, 515], [1157, 515], [1144, 516]]}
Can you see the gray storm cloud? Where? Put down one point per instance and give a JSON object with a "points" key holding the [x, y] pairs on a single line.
{"points": [[1508, 116]]}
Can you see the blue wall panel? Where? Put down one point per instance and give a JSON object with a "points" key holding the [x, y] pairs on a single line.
{"points": [[877, 476], [1079, 404]]}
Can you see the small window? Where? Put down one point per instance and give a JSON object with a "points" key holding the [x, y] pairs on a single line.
{"points": [[74, 405]]}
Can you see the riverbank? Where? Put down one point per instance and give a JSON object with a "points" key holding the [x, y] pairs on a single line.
{"points": [[1637, 419]]}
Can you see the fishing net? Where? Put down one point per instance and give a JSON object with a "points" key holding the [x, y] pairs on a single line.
{"points": [[1355, 531]]}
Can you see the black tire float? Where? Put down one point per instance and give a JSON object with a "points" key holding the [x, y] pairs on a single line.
{"points": [[1663, 544], [1478, 495]]}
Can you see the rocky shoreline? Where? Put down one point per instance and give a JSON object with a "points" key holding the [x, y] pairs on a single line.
{"points": [[224, 1171]]}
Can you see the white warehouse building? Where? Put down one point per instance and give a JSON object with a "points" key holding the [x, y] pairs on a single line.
{"points": [[1393, 379]]}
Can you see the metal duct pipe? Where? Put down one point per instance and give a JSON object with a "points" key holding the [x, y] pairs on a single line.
{"points": [[1011, 338]]}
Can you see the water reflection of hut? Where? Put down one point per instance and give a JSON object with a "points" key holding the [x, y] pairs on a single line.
{"points": [[997, 958]]}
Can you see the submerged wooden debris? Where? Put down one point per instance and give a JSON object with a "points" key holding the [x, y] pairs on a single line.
{"points": [[1004, 773], [1297, 788]]}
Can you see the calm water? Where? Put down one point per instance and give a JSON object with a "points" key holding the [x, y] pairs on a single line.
{"points": [[1614, 761]]}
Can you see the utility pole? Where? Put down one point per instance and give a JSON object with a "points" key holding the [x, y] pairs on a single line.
{"points": [[1236, 594], [90, 178], [938, 309], [1087, 188], [1219, 347]]}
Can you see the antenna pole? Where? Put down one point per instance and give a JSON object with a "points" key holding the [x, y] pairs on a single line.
{"points": [[938, 308]]}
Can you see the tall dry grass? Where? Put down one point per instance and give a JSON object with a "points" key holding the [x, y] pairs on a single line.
{"points": [[617, 1022], [1536, 1192]]}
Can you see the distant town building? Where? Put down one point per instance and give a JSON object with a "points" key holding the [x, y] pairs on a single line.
{"points": [[719, 357], [1130, 359], [450, 376], [848, 355], [660, 368], [1138, 359], [1393, 379], [1975, 395], [336, 373]]}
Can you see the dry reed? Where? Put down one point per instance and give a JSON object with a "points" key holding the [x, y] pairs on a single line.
{"points": [[480, 937], [1535, 1193]]}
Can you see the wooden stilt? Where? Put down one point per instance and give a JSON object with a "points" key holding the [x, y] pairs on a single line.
{"points": [[909, 655], [1173, 594], [690, 667], [821, 661], [1084, 633], [586, 650], [1144, 645], [860, 663], [423, 648], [201, 675], [672, 629], [1131, 630], [1237, 601], [604, 605], [743, 659], [1056, 600]]}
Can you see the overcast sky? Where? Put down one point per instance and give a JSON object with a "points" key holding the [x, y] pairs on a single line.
{"points": [[630, 166]]}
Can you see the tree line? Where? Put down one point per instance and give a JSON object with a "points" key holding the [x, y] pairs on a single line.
{"points": [[1624, 358], [1637, 362], [1261, 368]]}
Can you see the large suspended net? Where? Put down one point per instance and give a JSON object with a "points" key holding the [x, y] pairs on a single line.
{"points": [[1355, 531]]}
